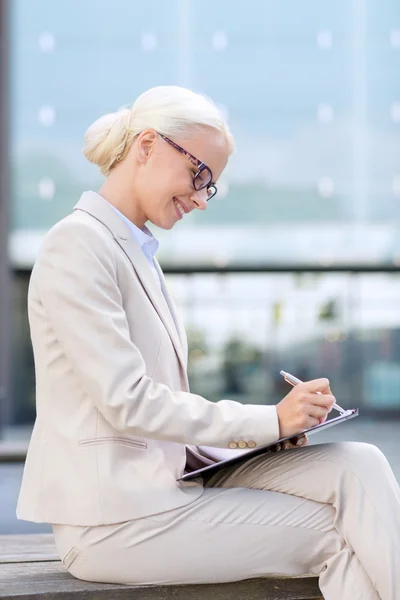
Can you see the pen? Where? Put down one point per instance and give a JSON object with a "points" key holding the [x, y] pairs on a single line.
{"points": [[294, 381]]}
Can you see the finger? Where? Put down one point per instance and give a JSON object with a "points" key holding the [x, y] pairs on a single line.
{"points": [[276, 447], [326, 400], [311, 422], [317, 385], [288, 446], [318, 412], [298, 440], [301, 441]]}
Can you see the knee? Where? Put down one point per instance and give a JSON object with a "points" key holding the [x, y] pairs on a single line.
{"points": [[362, 458], [361, 451]]}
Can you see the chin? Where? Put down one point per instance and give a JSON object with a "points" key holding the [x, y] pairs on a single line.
{"points": [[167, 227], [162, 225]]}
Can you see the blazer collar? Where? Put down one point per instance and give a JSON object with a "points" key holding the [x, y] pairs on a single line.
{"points": [[101, 211]]}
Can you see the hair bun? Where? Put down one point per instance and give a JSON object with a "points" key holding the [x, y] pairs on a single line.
{"points": [[105, 139]]}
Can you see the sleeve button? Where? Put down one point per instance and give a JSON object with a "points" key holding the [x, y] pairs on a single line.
{"points": [[232, 445], [242, 444], [251, 444]]}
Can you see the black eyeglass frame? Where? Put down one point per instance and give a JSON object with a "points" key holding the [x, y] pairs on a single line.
{"points": [[201, 167]]}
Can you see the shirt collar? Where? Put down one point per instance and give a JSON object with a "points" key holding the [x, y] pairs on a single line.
{"points": [[144, 237]]}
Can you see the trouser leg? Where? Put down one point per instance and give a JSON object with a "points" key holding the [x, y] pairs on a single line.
{"points": [[226, 535], [357, 481]]}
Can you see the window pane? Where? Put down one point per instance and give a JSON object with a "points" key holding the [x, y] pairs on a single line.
{"points": [[312, 95]]}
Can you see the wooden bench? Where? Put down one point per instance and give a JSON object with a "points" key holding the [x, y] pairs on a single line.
{"points": [[11, 452], [30, 568]]}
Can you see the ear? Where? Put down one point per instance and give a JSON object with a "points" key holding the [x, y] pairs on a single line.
{"points": [[145, 144]]}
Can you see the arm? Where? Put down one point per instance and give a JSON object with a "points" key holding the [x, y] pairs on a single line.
{"points": [[77, 283]]}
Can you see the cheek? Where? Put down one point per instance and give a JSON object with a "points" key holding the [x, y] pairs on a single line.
{"points": [[155, 182], [164, 180], [177, 182], [175, 174], [157, 193]]}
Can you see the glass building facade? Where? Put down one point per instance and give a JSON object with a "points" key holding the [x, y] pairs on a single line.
{"points": [[311, 91]]}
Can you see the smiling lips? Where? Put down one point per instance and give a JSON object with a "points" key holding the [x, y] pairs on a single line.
{"points": [[180, 208]]}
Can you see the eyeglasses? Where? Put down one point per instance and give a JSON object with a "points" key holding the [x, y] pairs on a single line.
{"points": [[203, 176]]}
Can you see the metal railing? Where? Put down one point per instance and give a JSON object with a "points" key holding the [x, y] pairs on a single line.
{"points": [[256, 333]]}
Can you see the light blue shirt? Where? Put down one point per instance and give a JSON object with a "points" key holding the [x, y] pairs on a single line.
{"points": [[144, 238]]}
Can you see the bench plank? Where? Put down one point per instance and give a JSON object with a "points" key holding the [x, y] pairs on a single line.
{"points": [[50, 580], [11, 452], [27, 548]]}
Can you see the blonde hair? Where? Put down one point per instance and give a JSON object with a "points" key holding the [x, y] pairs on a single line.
{"points": [[170, 110]]}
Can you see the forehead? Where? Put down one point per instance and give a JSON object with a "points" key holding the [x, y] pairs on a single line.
{"points": [[210, 147]]}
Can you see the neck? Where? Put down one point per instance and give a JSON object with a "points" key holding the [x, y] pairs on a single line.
{"points": [[124, 201]]}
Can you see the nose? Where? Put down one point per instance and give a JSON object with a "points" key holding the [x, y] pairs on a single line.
{"points": [[199, 198]]}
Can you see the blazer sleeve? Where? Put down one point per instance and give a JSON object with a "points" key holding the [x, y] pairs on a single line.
{"points": [[76, 279]]}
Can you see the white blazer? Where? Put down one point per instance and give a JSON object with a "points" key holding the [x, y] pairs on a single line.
{"points": [[114, 411]]}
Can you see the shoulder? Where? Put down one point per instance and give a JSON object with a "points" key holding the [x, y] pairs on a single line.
{"points": [[79, 240], [78, 228], [78, 223]]}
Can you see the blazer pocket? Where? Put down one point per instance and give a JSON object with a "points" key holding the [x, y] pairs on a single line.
{"points": [[122, 441]]}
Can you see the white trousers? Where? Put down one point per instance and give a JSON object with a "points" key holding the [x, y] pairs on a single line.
{"points": [[329, 509]]}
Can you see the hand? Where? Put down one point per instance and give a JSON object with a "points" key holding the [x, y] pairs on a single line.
{"points": [[305, 406], [299, 441]]}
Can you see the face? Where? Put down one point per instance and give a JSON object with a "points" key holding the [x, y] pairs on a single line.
{"points": [[164, 175]]}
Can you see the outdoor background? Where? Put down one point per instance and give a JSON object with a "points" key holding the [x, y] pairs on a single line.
{"points": [[294, 265]]}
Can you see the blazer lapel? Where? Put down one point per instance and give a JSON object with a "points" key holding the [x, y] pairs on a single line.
{"points": [[92, 204], [173, 310]]}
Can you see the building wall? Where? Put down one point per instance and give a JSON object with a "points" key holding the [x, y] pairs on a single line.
{"points": [[311, 90]]}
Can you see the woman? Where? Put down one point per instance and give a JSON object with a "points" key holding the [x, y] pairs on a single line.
{"points": [[115, 415]]}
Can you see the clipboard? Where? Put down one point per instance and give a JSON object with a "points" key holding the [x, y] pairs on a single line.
{"points": [[213, 468]]}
